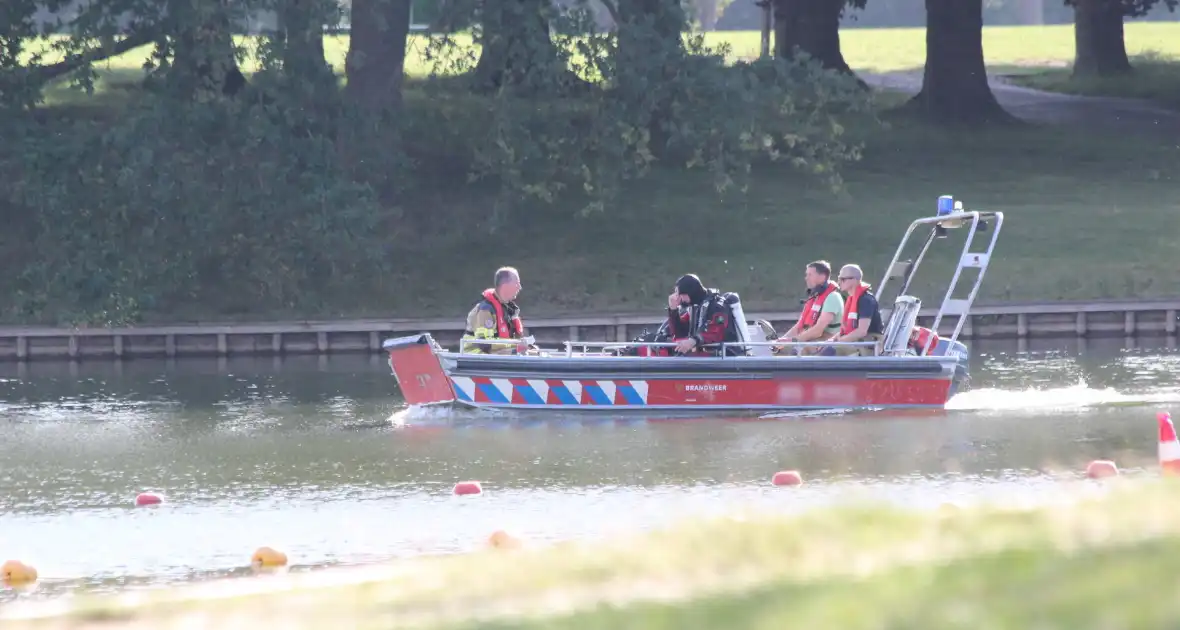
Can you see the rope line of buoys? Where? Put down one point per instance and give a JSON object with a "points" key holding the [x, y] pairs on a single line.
{"points": [[17, 574]]}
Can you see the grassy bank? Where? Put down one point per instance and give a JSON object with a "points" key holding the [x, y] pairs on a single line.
{"points": [[1090, 216], [1156, 78], [1103, 562]]}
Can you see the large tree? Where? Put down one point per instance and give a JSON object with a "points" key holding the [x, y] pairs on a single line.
{"points": [[955, 88], [23, 76], [813, 27], [650, 28], [1099, 47], [376, 53], [301, 30], [199, 35], [195, 56]]}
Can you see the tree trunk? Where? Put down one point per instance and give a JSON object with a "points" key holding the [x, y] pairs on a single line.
{"points": [[204, 60], [955, 89], [812, 26], [375, 63], [301, 23], [650, 53], [650, 29], [1099, 48], [518, 50]]}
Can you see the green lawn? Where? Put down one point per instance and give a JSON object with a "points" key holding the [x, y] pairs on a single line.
{"points": [[1156, 78], [1105, 559], [1090, 215]]}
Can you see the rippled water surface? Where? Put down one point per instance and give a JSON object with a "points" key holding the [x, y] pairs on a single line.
{"points": [[318, 457]]}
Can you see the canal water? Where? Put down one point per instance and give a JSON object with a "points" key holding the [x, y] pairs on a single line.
{"points": [[318, 457]]}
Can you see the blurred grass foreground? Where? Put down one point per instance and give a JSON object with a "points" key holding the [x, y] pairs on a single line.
{"points": [[1104, 556]]}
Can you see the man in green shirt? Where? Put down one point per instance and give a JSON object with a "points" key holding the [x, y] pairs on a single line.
{"points": [[823, 310]]}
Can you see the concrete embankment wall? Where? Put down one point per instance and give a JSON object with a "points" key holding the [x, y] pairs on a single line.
{"points": [[1010, 321]]}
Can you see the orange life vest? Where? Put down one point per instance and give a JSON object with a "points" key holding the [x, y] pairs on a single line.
{"points": [[502, 329], [813, 306], [920, 336], [848, 324]]}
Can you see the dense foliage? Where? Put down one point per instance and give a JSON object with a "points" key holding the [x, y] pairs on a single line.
{"points": [[203, 184], [240, 175]]}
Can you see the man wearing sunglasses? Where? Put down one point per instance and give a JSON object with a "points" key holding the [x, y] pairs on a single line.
{"points": [[862, 315]]}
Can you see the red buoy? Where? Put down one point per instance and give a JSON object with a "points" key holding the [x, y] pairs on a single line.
{"points": [[787, 478], [1101, 468], [148, 498], [468, 487]]}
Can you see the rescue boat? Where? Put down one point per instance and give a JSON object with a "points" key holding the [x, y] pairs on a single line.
{"points": [[744, 375]]}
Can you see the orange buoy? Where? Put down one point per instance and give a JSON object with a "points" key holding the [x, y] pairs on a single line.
{"points": [[267, 558], [501, 539], [787, 478], [468, 487], [1101, 469], [1169, 446], [15, 573], [148, 498]]}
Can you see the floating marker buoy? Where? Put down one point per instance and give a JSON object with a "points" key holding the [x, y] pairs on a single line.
{"points": [[787, 478], [501, 539], [148, 498], [267, 558], [468, 487], [15, 573], [1101, 469], [1169, 446]]}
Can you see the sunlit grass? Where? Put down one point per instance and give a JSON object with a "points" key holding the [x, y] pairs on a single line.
{"points": [[1097, 558]]}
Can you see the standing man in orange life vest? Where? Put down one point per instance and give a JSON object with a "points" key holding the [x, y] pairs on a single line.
{"points": [[862, 315], [496, 316], [822, 311]]}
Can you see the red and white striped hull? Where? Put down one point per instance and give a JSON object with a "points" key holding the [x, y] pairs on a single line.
{"points": [[596, 383]]}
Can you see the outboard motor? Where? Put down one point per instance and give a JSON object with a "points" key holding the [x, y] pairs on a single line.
{"points": [[901, 322]]}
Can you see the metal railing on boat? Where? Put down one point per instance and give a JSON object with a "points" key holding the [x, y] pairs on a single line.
{"points": [[569, 345], [586, 345]]}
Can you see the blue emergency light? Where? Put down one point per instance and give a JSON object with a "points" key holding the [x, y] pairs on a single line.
{"points": [[946, 205]]}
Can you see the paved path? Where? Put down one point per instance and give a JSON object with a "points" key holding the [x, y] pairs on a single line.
{"points": [[1116, 114]]}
